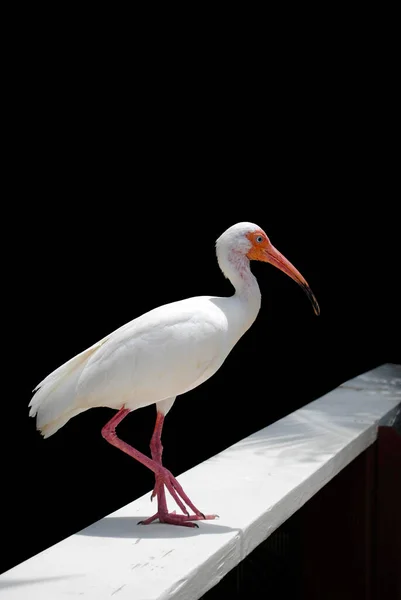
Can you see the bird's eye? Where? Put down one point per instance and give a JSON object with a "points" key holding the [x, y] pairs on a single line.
{"points": [[259, 239]]}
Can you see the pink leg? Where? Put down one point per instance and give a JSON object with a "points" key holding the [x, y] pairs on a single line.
{"points": [[163, 475], [156, 449]]}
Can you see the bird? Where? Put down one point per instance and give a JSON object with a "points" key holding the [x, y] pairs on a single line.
{"points": [[160, 355]]}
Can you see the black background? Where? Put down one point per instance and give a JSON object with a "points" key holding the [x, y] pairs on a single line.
{"points": [[118, 199]]}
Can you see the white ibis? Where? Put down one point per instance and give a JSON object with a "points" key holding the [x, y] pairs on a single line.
{"points": [[161, 355]]}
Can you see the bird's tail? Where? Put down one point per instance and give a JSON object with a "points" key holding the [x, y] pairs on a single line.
{"points": [[54, 402]]}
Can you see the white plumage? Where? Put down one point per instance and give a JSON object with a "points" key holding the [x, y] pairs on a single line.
{"points": [[163, 353]]}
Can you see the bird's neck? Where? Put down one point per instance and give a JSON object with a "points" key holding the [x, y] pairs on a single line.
{"points": [[236, 267]]}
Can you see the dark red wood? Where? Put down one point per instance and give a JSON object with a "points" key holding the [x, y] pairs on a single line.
{"points": [[388, 523], [336, 535]]}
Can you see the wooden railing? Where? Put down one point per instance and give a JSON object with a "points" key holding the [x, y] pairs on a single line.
{"points": [[255, 486]]}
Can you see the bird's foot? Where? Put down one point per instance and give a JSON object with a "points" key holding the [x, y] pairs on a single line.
{"points": [[165, 477], [174, 519]]}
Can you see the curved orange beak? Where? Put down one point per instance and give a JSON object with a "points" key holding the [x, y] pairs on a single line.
{"points": [[266, 252]]}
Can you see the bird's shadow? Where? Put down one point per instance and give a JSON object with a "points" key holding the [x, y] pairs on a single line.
{"points": [[127, 527]]}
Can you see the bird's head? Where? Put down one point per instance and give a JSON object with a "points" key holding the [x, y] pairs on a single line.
{"points": [[251, 242]]}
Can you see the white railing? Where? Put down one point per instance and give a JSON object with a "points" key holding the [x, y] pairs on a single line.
{"points": [[255, 485]]}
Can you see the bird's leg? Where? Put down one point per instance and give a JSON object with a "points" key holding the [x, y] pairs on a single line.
{"points": [[156, 449], [162, 474]]}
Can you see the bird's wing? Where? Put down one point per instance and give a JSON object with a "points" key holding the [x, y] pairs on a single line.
{"points": [[161, 354]]}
